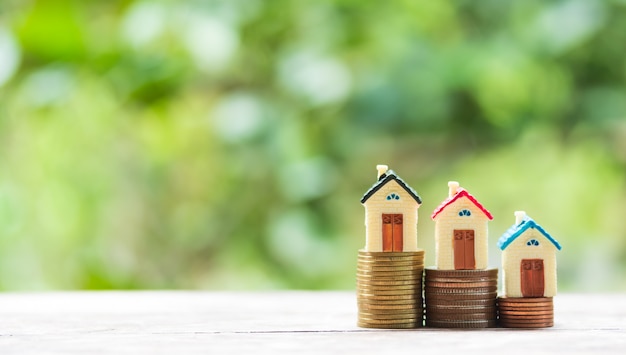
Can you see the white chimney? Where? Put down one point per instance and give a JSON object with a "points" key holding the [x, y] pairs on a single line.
{"points": [[381, 170], [519, 217], [453, 187]]}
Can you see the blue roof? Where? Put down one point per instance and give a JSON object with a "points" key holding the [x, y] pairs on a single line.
{"points": [[517, 229]]}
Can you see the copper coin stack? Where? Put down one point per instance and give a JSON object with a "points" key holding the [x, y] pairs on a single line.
{"points": [[389, 289], [536, 312], [461, 298]]}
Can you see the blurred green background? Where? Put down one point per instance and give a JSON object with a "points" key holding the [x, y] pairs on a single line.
{"points": [[225, 144]]}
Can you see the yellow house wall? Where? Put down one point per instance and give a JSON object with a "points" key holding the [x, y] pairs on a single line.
{"points": [[377, 205], [512, 257], [447, 221]]}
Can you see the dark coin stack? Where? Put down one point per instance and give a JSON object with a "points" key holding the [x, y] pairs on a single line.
{"points": [[461, 298], [526, 312], [389, 289]]}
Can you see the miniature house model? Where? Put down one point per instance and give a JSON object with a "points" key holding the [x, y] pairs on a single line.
{"points": [[528, 259], [390, 214], [461, 234]]}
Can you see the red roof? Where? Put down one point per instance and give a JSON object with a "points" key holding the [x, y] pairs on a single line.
{"points": [[461, 192]]}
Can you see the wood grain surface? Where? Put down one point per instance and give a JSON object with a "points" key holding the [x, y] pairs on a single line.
{"points": [[289, 322]]}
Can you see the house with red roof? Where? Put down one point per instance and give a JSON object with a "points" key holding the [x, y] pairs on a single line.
{"points": [[461, 234], [390, 214]]}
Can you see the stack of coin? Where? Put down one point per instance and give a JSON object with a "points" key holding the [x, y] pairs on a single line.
{"points": [[389, 289], [526, 312], [461, 298]]}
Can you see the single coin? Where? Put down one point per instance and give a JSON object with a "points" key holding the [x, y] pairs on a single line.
{"points": [[367, 301], [376, 283], [389, 292], [388, 277], [392, 256], [460, 317], [531, 320], [386, 274], [391, 271], [530, 310], [390, 307], [461, 303], [441, 290], [378, 267], [414, 264], [524, 299], [389, 257], [527, 321], [460, 307], [389, 287], [491, 296], [385, 322], [542, 308], [440, 310], [527, 306], [409, 325], [440, 297], [379, 310], [366, 265], [522, 317], [391, 280], [392, 260], [389, 254], [388, 299], [461, 285], [414, 289], [390, 316], [526, 310], [514, 313], [416, 312], [382, 324], [535, 324], [395, 269], [527, 326], [430, 272], [388, 283], [386, 254], [460, 280], [527, 318], [368, 311], [367, 296]]}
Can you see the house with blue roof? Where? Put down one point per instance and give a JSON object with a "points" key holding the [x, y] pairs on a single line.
{"points": [[528, 259]]}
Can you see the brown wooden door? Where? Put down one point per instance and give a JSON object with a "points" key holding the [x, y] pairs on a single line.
{"points": [[464, 258], [392, 232], [532, 277]]}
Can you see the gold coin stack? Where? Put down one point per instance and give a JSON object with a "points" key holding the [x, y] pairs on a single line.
{"points": [[461, 298], [536, 312], [389, 289]]}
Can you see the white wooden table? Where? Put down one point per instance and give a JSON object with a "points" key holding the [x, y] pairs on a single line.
{"points": [[290, 322]]}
